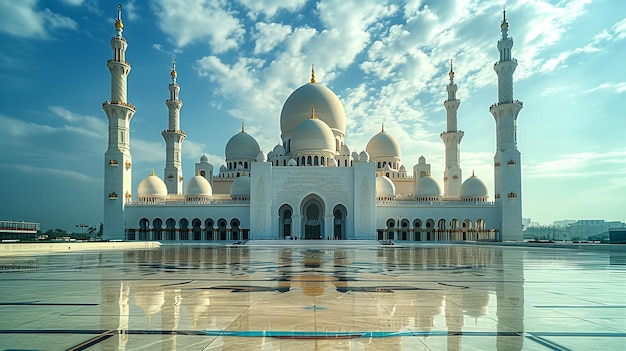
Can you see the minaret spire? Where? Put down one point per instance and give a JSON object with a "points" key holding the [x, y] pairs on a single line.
{"points": [[118, 160], [174, 136], [452, 174], [507, 167], [312, 73]]}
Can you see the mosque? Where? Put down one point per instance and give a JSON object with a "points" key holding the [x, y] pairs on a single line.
{"points": [[311, 185]]}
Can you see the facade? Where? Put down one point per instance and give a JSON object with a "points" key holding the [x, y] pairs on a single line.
{"points": [[15, 231], [311, 185]]}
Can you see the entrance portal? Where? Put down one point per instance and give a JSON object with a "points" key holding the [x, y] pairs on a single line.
{"points": [[312, 218]]}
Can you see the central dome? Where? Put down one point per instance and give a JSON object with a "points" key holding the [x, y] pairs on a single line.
{"points": [[312, 135], [297, 108], [242, 146]]}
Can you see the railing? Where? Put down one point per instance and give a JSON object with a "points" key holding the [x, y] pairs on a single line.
{"points": [[119, 103], [436, 203]]}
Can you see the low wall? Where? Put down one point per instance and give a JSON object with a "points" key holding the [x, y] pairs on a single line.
{"points": [[7, 249]]}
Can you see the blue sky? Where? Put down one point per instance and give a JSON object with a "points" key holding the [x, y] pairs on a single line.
{"points": [[239, 61]]}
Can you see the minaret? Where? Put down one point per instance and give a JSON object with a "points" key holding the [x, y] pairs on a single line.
{"points": [[117, 168], [452, 174], [173, 173], [507, 167]]}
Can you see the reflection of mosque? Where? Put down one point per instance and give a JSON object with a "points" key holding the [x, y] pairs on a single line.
{"points": [[432, 293]]}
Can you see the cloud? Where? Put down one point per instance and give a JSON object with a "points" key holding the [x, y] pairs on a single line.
{"points": [[23, 19], [190, 21], [584, 165], [268, 35], [56, 172], [269, 8], [615, 87]]}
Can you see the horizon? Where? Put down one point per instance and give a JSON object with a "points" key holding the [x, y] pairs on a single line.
{"points": [[238, 62]]}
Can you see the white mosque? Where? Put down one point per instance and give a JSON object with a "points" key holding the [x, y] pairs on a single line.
{"points": [[311, 185]]}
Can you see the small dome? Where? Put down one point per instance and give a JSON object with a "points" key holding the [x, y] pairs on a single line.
{"points": [[292, 162], [240, 188], [204, 159], [297, 108], [474, 188], [427, 187], [421, 160], [364, 156], [385, 188], [242, 146], [261, 157], [152, 186], [355, 156], [383, 145], [313, 135], [198, 186], [279, 150], [222, 168], [345, 150], [402, 168]]}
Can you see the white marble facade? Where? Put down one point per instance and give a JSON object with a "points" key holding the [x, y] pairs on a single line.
{"points": [[311, 185]]}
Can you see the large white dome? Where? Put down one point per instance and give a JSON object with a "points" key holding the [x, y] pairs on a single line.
{"points": [[427, 187], [198, 186], [383, 146], [242, 146], [152, 186], [312, 135], [240, 188], [297, 108], [474, 189], [385, 188]]}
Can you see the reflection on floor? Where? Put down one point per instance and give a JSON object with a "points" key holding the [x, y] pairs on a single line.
{"points": [[299, 297]]}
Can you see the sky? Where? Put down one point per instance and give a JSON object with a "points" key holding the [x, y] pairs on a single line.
{"points": [[239, 61]]}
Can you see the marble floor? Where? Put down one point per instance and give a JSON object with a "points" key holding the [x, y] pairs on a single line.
{"points": [[309, 296]]}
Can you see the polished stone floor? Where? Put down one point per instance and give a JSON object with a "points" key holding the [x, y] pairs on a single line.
{"points": [[315, 296]]}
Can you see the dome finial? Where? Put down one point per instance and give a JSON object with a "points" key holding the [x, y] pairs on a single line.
{"points": [[152, 172], [505, 25], [118, 23], [173, 73], [382, 127], [473, 175], [313, 112], [451, 73], [312, 73], [242, 128]]}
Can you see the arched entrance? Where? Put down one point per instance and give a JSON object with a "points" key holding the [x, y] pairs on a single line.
{"points": [[312, 218], [339, 231], [284, 214]]}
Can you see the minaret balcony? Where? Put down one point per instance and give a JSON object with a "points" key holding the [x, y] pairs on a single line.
{"points": [[120, 103]]}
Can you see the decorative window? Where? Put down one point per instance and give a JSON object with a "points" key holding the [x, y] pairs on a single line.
{"points": [[497, 164], [512, 195], [113, 195], [113, 163], [510, 162]]}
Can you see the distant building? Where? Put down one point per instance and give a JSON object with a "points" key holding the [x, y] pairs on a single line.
{"points": [[13, 230], [594, 228]]}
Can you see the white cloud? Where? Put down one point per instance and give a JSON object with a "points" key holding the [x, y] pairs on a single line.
{"points": [[187, 22], [584, 164], [268, 35], [270, 7], [24, 19], [46, 171]]}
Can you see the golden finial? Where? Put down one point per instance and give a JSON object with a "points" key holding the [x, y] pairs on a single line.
{"points": [[382, 127], [312, 73], [242, 128], [118, 22], [152, 172], [174, 68], [197, 172], [451, 73], [313, 112]]}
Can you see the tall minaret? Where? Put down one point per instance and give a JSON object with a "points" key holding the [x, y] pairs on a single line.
{"points": [[173, 173], [507, 167], [452, 139], [117, 158]]}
